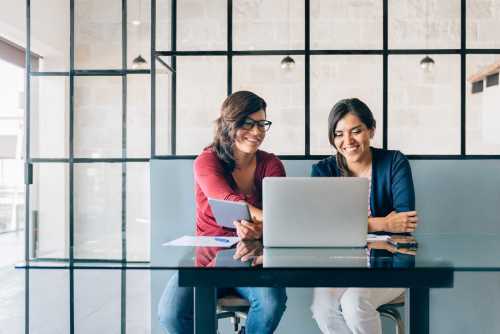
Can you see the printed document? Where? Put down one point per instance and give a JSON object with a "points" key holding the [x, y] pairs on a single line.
{"points": [[203, 241]]}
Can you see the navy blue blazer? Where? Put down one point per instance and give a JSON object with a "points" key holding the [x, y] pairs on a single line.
{"points": [[392, 184]]}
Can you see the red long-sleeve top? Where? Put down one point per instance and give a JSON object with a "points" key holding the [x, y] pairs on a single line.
{"points": [[211, 181]]}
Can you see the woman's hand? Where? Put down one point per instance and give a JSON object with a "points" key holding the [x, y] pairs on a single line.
{"points": [[382, 245], [247, 249], [385, 245], [248, 230], [401, 222]]}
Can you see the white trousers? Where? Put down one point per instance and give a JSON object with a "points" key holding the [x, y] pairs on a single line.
{"points": [[351, 310]]}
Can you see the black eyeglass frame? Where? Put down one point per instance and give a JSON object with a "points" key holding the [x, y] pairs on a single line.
{"points": [[263, 124]]}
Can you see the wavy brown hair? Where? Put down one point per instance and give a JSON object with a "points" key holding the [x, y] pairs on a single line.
{"points": [[340, 109], [234, 110]]}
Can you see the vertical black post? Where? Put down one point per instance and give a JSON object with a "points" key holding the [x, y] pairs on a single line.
{"points": [[27, 119], [153, 79], [307, 77], [204, 310], [71, 164], [385, 70], [173, 120], [417, 310], [124, 132], [123, 304], [463, 69], [229, 47]]}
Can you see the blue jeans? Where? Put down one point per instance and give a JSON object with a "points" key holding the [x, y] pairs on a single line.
{"points": [[175, 309]]}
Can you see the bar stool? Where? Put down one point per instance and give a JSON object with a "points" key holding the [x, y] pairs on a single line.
{"points": [[390, 311], [235, 308]]}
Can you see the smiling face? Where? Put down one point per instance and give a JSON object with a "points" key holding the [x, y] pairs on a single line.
{"points": [[248, 141], [352, 138]]}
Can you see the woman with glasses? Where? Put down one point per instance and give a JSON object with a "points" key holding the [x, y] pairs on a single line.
{"points": [[391, 208], [231, 168]]}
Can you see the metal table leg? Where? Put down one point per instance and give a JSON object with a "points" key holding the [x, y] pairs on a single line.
{"points": [[417, 311], [205, 321]]}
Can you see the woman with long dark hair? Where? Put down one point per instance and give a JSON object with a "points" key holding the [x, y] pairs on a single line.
{"points": [[391, 208], [231, 168]]}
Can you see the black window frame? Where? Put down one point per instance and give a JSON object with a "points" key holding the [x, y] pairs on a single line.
{"points": [[73, 72], [385, 52]]}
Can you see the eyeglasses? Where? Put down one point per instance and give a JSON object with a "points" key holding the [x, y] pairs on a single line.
{"points": [[249, 123]]}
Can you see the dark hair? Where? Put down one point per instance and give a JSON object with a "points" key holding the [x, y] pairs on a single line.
{"points": [[234, 110], [340, 109]]}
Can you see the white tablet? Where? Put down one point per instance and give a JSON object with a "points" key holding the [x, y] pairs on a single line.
{"points": [[226, 212]]}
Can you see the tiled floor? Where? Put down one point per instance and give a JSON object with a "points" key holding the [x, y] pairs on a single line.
{"points": [[97, 299], [11, 284]]}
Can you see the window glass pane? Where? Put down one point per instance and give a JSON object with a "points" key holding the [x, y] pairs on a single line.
{"points": [[483, 135], [11, 111], [163, 24], [163, 106], [13, 290], [424, 24], [50, 34], [202, 25], [98, 211], [283, 90], [49, 211], [98, 120], [341, 24], [138, 32], [201, 89], [138, 116], [424, 107], [138, 205], [483, 24], [49, 98], [338, 77], [11, 147], [48, 301], [97, 301], [268, 25], [98, 34], [12, 198], [139, 302]]}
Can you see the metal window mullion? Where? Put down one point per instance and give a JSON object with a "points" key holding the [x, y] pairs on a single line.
{"points": [[123, 281], [463, 69], [71, 167], [314, 157], [173, 120], [27, 139], [201, 53], [153, 79], [124, 132], [307, 77], [385, 77], [229, 47], [49, 74]]}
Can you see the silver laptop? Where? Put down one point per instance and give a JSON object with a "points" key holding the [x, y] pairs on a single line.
{"points": [[315, 211]]}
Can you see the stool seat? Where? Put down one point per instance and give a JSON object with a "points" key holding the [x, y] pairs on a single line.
{"points": [[396, 302], [235, 308], [390, 311], [233, 303]]}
